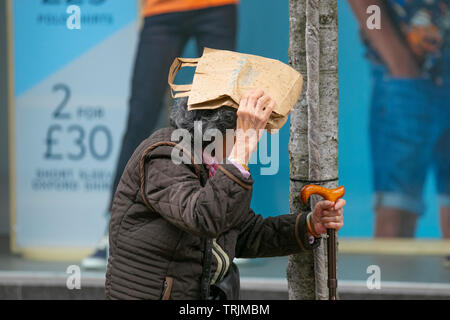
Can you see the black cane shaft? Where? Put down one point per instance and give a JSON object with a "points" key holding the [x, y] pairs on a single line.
{"points": [[332, 277]]}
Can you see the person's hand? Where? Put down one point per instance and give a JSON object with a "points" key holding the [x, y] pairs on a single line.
{"points": [[328, 215], [253, 113]]}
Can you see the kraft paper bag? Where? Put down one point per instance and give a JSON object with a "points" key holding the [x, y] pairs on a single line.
{"points": [[222, 77]]}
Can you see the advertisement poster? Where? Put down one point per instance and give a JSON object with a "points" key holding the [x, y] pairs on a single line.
{"points": [[72, 63], [72, 68]]}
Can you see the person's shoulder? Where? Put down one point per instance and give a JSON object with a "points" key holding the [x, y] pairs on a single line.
{"points": [[174, 158], [159, 136], [160, 144], [163, 134]]}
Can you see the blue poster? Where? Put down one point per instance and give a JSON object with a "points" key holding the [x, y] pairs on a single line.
{"points": [[72, 69]]}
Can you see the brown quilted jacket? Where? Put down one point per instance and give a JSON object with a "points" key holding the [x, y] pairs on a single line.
{"points": [[156, 243]]}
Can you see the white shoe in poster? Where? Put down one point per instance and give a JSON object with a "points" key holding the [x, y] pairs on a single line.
{"points": [[99, 258]]}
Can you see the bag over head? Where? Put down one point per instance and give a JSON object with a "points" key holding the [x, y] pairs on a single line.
{"points": [[222, 77]]}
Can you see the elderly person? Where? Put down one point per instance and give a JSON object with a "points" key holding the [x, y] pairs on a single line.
{"points": [[176, 228]]}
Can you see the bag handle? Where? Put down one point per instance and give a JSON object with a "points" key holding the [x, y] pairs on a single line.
{"points": [[183, 90]]}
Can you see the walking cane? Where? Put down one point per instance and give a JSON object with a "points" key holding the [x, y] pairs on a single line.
{"points": [[331, 195]]}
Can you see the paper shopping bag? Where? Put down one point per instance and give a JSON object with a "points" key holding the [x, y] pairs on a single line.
{"points": [[222, 77]]}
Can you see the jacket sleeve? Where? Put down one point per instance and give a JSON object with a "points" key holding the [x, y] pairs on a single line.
{"points": [[175, 192], [274, 236]]}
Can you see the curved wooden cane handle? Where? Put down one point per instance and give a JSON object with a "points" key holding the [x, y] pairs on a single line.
{"points": [[328, 194], [331, 195]]}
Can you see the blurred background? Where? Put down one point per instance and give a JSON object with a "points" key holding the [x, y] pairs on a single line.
{"points": [[63, 110]]}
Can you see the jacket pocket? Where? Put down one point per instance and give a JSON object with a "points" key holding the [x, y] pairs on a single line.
{"points": [[167, 289]]}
